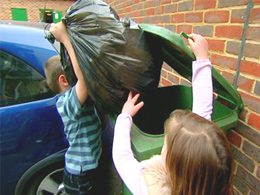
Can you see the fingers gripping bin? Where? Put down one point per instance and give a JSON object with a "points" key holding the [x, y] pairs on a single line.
{"points": [[147, 132]]}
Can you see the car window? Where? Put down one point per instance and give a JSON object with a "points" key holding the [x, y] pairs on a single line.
{"points": [[19, 82]]}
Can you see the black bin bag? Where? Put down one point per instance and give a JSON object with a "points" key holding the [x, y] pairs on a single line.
{"points": [[114, 55]]}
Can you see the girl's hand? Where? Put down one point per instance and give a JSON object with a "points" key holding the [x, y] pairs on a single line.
{"points": [[130, 107], [199, 46]]}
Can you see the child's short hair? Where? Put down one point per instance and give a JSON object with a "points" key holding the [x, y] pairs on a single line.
{"points": [[198, 158], [53, 69]]}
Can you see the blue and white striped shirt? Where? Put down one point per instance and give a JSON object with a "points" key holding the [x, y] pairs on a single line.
{"points": [[83, 131]]}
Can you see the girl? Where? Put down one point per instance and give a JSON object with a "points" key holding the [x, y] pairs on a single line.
{"points": [[195, 158]]}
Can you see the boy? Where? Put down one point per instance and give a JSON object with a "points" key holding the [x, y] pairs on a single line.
{"points": [[82, 125]]}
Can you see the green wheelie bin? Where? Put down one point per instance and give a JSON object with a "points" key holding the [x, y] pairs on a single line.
{"points": [[147, 132]]}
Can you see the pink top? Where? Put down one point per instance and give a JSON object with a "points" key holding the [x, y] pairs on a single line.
{"points": [[127, 166]]}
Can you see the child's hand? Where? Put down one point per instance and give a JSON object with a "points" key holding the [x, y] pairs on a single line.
{"points": [[199, 46], [130, 107], [59, 31]]}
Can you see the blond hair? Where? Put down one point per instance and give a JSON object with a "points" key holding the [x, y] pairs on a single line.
{"points": [[198, 159]]}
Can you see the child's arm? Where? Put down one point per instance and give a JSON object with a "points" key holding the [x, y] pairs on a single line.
{"points": [[127, 166], [202, 88], [60, 33]]}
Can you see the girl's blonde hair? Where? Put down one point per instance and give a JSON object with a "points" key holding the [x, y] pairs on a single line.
{"points": [[198, 159]]}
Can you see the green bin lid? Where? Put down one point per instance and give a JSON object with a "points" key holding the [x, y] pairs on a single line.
{"points": [[179, 56]]}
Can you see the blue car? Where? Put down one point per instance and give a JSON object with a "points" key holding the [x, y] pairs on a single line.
{"points": [[32, 141]]}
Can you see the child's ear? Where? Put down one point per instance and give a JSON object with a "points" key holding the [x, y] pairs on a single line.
{"points": [[63, 81]]}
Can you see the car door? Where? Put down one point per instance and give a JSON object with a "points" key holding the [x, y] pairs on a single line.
{"points": [[30, 127]]}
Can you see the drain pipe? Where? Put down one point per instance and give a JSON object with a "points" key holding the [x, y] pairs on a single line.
{"points": [[248, 10]]}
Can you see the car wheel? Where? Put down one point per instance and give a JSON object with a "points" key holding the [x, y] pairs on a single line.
{"points": [[48, 181]]}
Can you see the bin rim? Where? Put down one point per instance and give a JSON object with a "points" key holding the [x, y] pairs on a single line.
{"points": [[172, 42]]}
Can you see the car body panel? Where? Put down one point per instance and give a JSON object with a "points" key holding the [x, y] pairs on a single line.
{"points": [[28, 141], [31, 131], [34, 51]]}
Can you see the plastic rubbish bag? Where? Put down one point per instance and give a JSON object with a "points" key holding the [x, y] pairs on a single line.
{"points": [[115, 55]]}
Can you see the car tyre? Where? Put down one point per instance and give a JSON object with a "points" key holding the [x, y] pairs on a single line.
{"points": [[46, 181]]}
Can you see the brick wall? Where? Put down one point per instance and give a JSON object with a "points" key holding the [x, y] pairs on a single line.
{"points": [[33, 7], [222, 22]]}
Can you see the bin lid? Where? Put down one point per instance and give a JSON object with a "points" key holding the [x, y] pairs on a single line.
{"points": [[179, 56]]}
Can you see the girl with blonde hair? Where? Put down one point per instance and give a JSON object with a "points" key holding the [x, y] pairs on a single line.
{"points": [[196, 157]]}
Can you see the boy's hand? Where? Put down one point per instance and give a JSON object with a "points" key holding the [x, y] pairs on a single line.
{"points": [[199, 46], [59, 31], [130, 107]]}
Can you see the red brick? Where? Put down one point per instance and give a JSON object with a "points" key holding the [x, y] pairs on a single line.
{"points": [[224, 61], [255, 16], [194, 17], [243, 115], [185, 82], [159, 10], [216, 45], [165, 2], [258, 171], [242, 159], [251, 102], [253, 33], [178, 18], [185, 28], [205, 4], [238, 16], [165, 19], [185, 6], [127, 3], [229, 31], [233, 47], [240, 185], [229, 3], [165, 82], [257, 88], [170, 27], [128, 9], [171, 8], [251, 150], [136, 13], [138, 6], [251, 68], [139, 20], [252, 50], [228, 76], [249, 179], [173, 78], [254, 120], [245, 83], [149, 12], [216, 16], [204, 30], [163, 73], [150, 3], [234, 138], [166, 67], [248, 132], [125, 10]]}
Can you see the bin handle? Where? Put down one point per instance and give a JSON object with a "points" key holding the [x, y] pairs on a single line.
{"points": [[184, 35]]}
